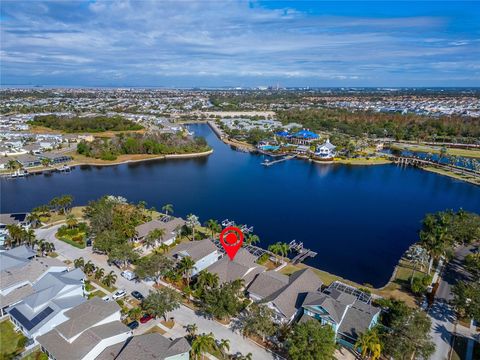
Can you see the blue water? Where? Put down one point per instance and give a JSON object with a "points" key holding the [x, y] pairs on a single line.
{"points": [[359, 219]]}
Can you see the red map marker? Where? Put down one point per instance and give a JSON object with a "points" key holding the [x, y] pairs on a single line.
{"points": [[231, 239]]}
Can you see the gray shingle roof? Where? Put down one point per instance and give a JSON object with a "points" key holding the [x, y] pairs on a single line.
{"points": [[268, 283], [195, 249], [289, 298], [86, 315], [61, 349], [169, 227], [358, 319], [152, 346]]}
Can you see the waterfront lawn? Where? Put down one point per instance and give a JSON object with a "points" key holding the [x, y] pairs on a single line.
{"points": [[9, 340], [436, 150], [76, 211], [74, 236]]}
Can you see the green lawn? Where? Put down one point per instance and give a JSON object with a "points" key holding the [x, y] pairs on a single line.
{"points": [[8, 341], [108, 288]]}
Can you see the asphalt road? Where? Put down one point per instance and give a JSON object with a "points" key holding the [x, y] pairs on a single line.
{"points": [[183, 315], [441, 313]]}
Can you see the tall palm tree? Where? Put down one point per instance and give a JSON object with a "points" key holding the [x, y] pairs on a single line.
{"points": [[167, 208], [186, 265], [152, 238], [213, 225], [135, 313], [99, 273], [12, 164], [46, 162], [192, 330], [79, 262], [33, 219], [202, 344], [110, 279], [89, 267], [71, 221], [369, 344], [253, 239], [224, 346], [279, 248], [192, 222]]}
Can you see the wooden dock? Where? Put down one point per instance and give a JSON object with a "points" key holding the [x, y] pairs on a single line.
{"points": [[269, 163], [302, 252]]}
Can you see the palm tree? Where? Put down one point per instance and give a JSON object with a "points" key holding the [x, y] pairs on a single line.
{"points": [[192, 330], [29, 237], [167, 208], [253, 239], [203, 344], [279, 248], [224, 346], [46, 162], [79, 262], [369, 344], [192, 222], [15, 234], [89, 267], [71, 221], [213, 225], [135, 313], [206, 279], [34, 219], [164, 247], [12, 164], [186, 265], [110, 279], [150, 241], [99, 273]]}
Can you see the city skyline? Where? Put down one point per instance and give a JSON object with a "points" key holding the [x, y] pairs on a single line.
{"points": [[247, 44]]}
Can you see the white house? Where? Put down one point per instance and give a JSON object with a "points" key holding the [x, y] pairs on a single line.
{"points": [[20, 270], [326, 150], [87, 331], [44, 308], [203, 252]]}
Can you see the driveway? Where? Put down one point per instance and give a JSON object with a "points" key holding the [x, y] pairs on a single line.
{"points": [[183, 315]]}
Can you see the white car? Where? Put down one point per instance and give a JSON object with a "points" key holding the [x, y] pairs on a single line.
{"points": [[106, 298], [119, 294]]}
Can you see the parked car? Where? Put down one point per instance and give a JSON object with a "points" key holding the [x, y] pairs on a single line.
{"points": [[133, 325], [129, 275], [137, 295], [146, 318], [119, 294], [106, 298]]}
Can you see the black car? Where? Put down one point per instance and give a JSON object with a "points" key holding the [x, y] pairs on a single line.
{"points": [[137, 295], [133, 325]]}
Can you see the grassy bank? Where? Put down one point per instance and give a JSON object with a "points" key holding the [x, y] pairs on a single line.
{"points": [[363, 161], [474, 153], [463, 177]]}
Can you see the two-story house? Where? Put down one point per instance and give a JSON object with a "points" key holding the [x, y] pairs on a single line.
{"points": [[204, 253]]}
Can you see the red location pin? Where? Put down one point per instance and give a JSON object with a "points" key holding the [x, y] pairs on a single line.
{"points": [[231, 239]]}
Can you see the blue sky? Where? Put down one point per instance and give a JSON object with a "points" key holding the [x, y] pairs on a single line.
{"points": [[237, 43]]}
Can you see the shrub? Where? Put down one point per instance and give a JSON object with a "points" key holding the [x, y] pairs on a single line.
{"points": [[22, 342], [263, 259]]}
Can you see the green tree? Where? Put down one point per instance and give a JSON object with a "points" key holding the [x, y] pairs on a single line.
{"points": [[123, 253], [99, 273], [472, 264], [213, 226], [167, 209], [434, 236], [154, 266], [203, 344], [110, 279], [162, 301], [370, 344], [258, 321], [89, 268], [135, 313], [186, 265], [224, 346], [79, 262], [191, 330], [152, 238], [192, 223], [253, 239], [311, 341], [224, 301], [467, 299]]}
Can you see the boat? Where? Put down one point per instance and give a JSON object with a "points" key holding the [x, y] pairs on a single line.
{"points": [[64, 168]]}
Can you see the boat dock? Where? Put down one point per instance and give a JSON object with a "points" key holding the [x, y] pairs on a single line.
{"points": [[302, 252], [269, 163], [245, 229]]}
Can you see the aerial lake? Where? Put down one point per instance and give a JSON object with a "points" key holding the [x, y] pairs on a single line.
{"points": [[359, 219]]}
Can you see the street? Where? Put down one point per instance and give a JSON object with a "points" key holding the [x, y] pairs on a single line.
{"points": [[183, 315], [442, 315]]}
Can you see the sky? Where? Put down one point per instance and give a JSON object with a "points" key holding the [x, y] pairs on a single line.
{"points": [[209, 43]]}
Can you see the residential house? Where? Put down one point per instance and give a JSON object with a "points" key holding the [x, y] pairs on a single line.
{"points": [[169, 224], [88, 329], [326, 150], [203, 252], [44, 308], [55, 158], [345, 308], [20, 269], [284, 294], [27, 160], [243, 266], [19, 219], [148, 346]]}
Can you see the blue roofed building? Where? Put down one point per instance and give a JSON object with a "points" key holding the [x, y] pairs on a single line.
{"points": [[304, 137]]}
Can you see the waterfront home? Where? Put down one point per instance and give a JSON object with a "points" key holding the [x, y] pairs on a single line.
{"points": [[53, 295], [326, 150], [302, 149], [204, 253], [55, 158], [19, 219], [303, 137], [148, 346], [27, 160], [243, 266], [169, 224], [88, 329], [284, 294], [345, 308], [20, 270]]}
